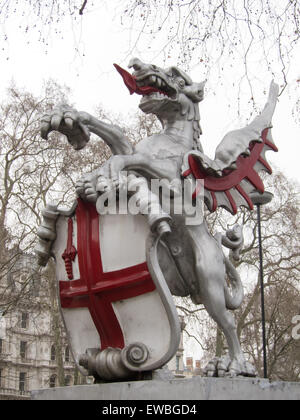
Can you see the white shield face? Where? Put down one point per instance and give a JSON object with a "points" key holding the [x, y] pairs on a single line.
{"points": [[108, 298]]}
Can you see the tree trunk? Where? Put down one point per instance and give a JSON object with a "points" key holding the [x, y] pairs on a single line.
{"points": [[56, 326]]}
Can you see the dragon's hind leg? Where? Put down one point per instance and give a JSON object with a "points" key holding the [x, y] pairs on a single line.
{"points": [[210, 271], [234, 364]]}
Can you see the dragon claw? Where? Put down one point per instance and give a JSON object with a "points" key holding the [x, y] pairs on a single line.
{"points": [[225, 367]]}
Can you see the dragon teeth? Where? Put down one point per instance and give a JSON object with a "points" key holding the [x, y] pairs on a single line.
{"points": [[152, 80], [157, 95]]}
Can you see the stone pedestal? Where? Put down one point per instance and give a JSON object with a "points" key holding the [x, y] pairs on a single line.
{"points": [[196, 388]]}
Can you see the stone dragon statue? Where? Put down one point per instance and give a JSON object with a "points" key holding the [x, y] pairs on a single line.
{"points": [[191, 259]]}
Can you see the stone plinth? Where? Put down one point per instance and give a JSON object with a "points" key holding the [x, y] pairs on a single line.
{"points": [[196, 388]]}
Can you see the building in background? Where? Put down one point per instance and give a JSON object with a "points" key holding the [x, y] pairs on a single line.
{"points": [[191, 368], [176, 364], [34, 352], [28, 356]]}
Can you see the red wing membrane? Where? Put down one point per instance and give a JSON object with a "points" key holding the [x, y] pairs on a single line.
{"points": [[232, 189]]}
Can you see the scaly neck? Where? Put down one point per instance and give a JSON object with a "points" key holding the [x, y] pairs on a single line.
{"points": [[180, 129]]}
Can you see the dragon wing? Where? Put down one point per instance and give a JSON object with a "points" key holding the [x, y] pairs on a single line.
{"points": [[230, 178]]}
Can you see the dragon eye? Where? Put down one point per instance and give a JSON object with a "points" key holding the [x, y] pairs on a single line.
{"points": [[180, 82]]}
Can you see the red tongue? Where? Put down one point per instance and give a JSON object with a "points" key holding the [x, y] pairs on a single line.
{"points": [[130, 82]]}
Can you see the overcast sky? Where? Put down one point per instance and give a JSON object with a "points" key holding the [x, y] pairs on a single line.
{"points": [[93, 80]]}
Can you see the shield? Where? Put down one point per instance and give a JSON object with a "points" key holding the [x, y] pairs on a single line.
{"points": [[109, 300]]}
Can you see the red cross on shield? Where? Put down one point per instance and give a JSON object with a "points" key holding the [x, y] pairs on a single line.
{"points": [[107, 295]]}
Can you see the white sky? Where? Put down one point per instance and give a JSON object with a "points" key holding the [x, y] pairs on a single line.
{"points": [[94, 81]]}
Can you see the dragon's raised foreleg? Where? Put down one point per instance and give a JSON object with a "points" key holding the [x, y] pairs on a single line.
{"points": [[77, 126]]}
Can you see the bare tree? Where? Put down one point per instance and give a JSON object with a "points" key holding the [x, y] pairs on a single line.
{"points": [[225, 41], [281, 277], [218, 31], [224, 34], [29, 168]]}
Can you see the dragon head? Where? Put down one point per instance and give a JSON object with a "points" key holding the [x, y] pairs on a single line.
{"points": [[164, 91]]}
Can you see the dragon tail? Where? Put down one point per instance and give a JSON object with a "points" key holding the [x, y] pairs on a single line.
{"points": [[234, 293]]}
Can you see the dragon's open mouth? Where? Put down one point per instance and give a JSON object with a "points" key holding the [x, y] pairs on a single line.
{"points": [[146, 86]]}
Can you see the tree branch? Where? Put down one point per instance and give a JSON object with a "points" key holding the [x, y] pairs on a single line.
{"points": [[82, 7]]}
